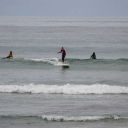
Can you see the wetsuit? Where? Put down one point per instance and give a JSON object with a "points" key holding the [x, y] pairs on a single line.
{"points": [[93, 56], [63, 54]]}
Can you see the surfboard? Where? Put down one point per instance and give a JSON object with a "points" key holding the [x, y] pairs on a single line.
{"points": [[64, 65], [7, 58], [15, 57]]}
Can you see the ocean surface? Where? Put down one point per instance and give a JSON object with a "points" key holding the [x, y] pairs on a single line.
{"points": [[36, 92]]}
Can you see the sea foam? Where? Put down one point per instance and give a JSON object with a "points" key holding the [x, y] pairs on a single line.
{"points": [[64, 89], [80, 118]]}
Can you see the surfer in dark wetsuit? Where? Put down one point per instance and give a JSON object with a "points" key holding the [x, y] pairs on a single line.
{"points": [[93, 56], [63, 54]]}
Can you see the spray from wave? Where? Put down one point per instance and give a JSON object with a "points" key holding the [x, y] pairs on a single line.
{"points": [[53, 61]]}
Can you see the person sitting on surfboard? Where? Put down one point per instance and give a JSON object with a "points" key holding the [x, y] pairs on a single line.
{"points": [[10, 55], [93, 56], [63, 54]]}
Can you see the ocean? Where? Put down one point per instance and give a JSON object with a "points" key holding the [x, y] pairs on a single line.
{"points": [[36, 92]]}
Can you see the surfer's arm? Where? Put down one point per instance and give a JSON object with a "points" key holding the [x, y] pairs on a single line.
{"points": [[59, 52], [91, 56]]}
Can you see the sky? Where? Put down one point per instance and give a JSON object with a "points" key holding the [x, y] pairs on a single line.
{"points": [[65, 8]]}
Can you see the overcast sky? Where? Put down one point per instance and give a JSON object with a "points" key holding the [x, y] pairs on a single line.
{"points": [[72, 8]]}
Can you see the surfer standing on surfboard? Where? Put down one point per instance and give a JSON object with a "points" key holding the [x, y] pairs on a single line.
{"points": [[63, 54]]}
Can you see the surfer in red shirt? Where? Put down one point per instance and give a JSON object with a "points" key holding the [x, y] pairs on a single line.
{"points": [[63, 54]]}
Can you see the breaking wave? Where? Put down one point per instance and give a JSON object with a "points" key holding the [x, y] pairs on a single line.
{"points": [[81, 118], [72, 61], [53, 61], [58, 118], [69, 89]]}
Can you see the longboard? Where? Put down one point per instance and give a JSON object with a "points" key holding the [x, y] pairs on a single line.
{"points": [[63, 65]]}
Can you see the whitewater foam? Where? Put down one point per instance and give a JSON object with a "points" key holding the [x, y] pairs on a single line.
{"points": [[52, 61], [59, 118], [64, 89], [80, 118]]}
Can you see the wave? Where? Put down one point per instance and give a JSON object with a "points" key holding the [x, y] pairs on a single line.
{"points": [[69, 118], [81, 118], [69, 89], [53, 61], [72, 61], [99, 61], [78, 60]]}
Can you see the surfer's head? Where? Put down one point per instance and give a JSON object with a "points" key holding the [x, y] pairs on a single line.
{"points": [[62, 48], [10, 52]]}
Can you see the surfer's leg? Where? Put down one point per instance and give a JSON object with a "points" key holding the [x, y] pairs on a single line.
{"points": [[63, 58]]}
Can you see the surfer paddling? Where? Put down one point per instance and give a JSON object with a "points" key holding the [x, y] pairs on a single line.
{"points": [[10, 55], [63, 54]]}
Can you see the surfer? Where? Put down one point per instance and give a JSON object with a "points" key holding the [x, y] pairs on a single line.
{"points": [[63, 54], [93, 56], [10, 55]]}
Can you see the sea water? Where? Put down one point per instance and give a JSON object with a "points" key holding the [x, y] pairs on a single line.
{"points": [[35, 92]]}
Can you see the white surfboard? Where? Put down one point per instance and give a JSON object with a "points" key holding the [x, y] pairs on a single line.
{"points": [[63, 65]]}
